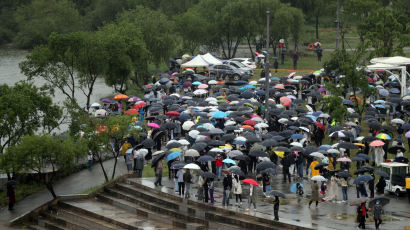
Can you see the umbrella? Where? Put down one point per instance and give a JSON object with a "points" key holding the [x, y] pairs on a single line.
{"points": [[120, 96], [187, 125], [401, 160], [318, 178], [156, 159], [178, 165], [173, 144], [345, 174], [199, 146], [193, 133], [382, 199], [191, 153], [347, 145], [358, 201], [393, 149], [173, 114], [381, 173], [173, 155], [362, 178], [321, 165], [317, 154], [236, 170], [376, 143], [192, 166], [363, 156], [269, 143], [383, 136], [344, 159], [272, 171], [218, 114], [265, 165], [208, 175], [360, 171], [157, 153], [258, 153], [296, 136], [241, 157], [184, 142], [275, 193], [250, 181], [229, 161], [169, 125], [148, 143], [293, 188], [153, 125], [205, 158]]}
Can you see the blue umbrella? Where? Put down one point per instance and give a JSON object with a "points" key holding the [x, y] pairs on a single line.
{"points": [[362, 178], [219, 114], [296, 136], [239, 142], [184, 117], [173, 155], [317, 113], [205, 158], [129, 151], [383, 92], [249, 86], [405, 127], [260, 93], [325, 147], [311, 117], [364, 156], [394, 90], [379, 102], [357, 159], [293, 188], [347, 102], [380, 106], [229, 161], [275, 78], [241, 82], [196, 83]]}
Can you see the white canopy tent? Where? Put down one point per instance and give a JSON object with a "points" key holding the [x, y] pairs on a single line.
{"points": [[211, 59], [198, 61], [392, 63]]}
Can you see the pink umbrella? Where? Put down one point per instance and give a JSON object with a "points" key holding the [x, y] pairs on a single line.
{"points": [[285, 99], [376, 143], [344, 159], [291, 74], [407, 134], [202, 86], [254, 115], [153, 125], [279, 86]]}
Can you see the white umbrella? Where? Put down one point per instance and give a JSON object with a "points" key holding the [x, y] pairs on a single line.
{"points": [[187, 125], [333, 151], [192, 166], [261, 125], [191, 153], [228, 123], [234, 153], [234, 102], [183, 142], [318, 178], [264, 159], [283, 120], [294, 118], [141, 152], [200, 92], [193, 133], [397, 121], [95, 104], [208, 126], [297, 144], [212, 82], [208, 99], [201, 138], [217, 150], [240, 139], [101, 112], [317, 154], [309, 108], [359, 138], [157, 153], [304, 129], [324, 115], [350, 110]]}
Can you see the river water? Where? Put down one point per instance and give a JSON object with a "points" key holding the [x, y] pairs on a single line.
{"points": [[10, 74]]}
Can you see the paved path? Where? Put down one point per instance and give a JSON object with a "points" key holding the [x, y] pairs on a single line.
{"points": [[73, 184]]}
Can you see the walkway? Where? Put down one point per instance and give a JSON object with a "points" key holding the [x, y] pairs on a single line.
{"points": [[73, 184]]}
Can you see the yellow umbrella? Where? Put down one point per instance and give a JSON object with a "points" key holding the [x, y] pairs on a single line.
{"points": [[226, 146], [280, 154], [359, 144], [176, 150]]}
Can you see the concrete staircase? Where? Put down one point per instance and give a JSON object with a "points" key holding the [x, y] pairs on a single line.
{"points": [[128, 204]]}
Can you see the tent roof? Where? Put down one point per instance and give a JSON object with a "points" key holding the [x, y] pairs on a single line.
{"points": [[379, 66], [211, 59], [397, 60], [198, 61]]}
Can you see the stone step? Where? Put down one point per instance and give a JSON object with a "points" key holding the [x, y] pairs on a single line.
{"points": [[111, 214], [35, 227], [86, 221], [61, 221], [141, 209], [47, 224]]}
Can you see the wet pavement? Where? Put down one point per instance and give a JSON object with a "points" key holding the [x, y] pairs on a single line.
{"points": [[73, 184], [328, 215]]}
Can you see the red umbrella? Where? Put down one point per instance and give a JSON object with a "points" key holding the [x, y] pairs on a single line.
{"points": [[320, 126], [250, 181], [249, 122], [172, 114], [187, 84], [131, 112], [139, 105]]}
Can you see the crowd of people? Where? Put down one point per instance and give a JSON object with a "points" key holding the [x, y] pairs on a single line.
{"points": [[210, 133]]}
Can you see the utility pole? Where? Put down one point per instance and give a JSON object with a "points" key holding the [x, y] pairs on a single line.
{"points": [[338, 24], [267, 78]]}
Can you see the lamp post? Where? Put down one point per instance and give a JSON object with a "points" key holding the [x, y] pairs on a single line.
{"points": [[267, 78]]}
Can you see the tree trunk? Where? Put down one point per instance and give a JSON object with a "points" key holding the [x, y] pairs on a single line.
{"points": [[103, 169], [317, 27], [250, 47], [50, 188], [235, 48], [115, 166]]}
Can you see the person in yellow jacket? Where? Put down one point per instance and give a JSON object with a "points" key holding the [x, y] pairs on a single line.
{"points": [[330, 167], [124, 148], [408, 186], [313, 171]]}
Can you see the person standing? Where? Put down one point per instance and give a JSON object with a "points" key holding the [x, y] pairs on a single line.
{"points": [[252, 198], [181, 184], [276, 65], [138, 164], [315, 194], [210, 182], [361, 215], [227, 183], [380, 186], [237, 190], [276, 208], [377, 214], [408, 186], [285, 169], [219, 164], [295, 59], [128, 162], [90, 161], [200, 191], [266, 183], [344, 185], [11, 194], [299, 192], [158, 173], [371, 185], [187, 181]]}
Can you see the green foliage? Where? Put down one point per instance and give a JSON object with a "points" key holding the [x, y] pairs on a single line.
{"points": [[38, 19], [24, 109], [387, 32], [22, 191], [43, 154]]}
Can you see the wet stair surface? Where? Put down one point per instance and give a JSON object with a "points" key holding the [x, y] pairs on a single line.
{"points": [[132, 205]]}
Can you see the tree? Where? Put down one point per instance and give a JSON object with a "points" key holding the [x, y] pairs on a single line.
{"points": [[25, 109], [43, 155], [386, 34], [156, 29], [296, 25], [190, 26], [38, 19], [127, 54]]}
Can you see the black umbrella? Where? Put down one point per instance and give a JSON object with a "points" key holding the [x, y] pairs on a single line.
{"points": [[375, 125], [345, 174], [258, 153], [271, 171], [357, 159], [360, 171], [156, 159], [401, 160], [199, 146], [264, 165], [276, 193], [382, 199], [228, 137], [169, 125], [393, 149], [368, 139], [321, 165], [208, 175], [205, 158], [11, 183], [309, 150], [381, 173], [236, 170], [177, 165], [364, 156], [347, 145], [269, 143], [241, 158], [148, 143], [283, 149], [173, 144], [363, 178]]}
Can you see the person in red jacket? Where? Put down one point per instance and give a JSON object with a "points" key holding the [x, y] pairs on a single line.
{"points": [[218, 164]]}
